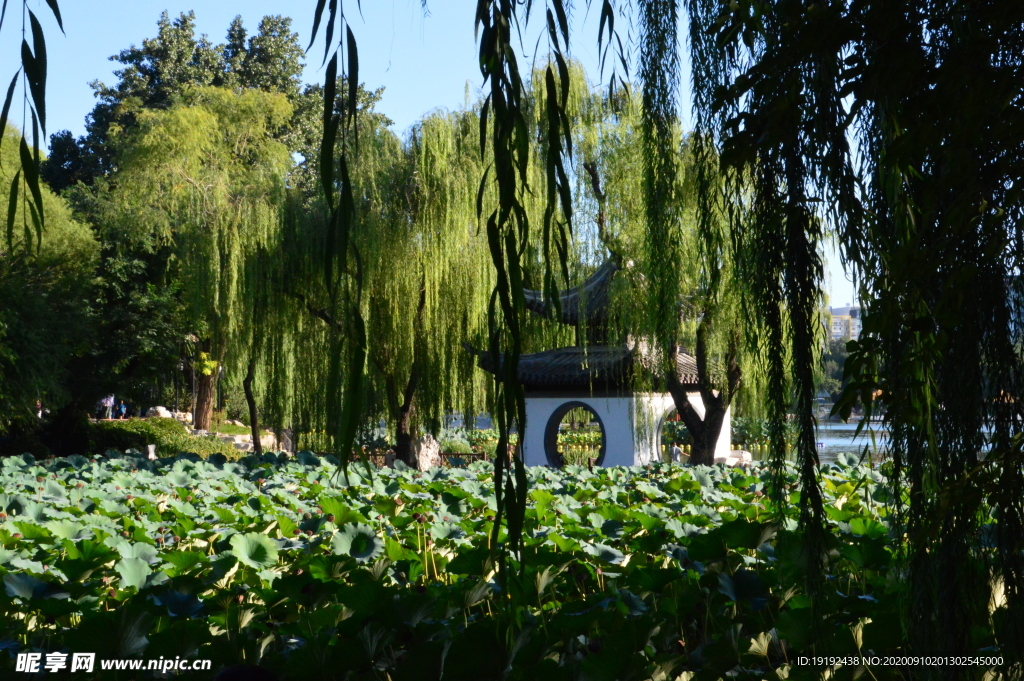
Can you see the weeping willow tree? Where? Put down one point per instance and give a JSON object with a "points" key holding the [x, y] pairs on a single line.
{"points": [[426, 276], [426, 268], [208, 176], [424, 286], [444, 267], [896, 126]]}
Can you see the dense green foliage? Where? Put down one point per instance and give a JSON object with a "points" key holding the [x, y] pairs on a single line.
{"points": [[852, 118], [926, 212], [630, 573], [170, 437], [47, 315]]}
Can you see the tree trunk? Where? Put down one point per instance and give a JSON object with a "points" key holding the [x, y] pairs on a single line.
{"points": [[406, 433], [706, 431], [250, 398], [703, 431], [206, 392]]}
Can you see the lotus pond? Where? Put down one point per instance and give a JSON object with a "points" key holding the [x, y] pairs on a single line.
{"points": [[661, 572]]}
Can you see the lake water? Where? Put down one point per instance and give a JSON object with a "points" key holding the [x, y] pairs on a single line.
{"points": [[836, 437]]}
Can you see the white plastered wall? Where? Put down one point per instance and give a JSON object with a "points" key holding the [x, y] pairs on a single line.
{"points": [[632, 426]]}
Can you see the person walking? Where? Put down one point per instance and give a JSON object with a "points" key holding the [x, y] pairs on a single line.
{"points": [[108, 407], [122, 410]]}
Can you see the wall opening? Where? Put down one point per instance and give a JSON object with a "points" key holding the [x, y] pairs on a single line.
{"points": [[575, 435], [675, 439]]}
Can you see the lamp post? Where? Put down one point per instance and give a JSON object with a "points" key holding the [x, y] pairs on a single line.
{"points": [[193, 394]]}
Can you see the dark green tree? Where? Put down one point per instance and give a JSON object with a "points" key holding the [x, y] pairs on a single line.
{"points": [[270, 61], [47, 314]]}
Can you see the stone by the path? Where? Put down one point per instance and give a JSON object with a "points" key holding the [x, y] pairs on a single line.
{"points": [[428, 453], [737, 457]]}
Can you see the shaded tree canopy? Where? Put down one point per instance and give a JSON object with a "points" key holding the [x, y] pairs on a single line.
{"points": [[47, 318], [896, 126]]}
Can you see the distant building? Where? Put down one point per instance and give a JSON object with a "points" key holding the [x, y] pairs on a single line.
{"points": [[846, 323]]}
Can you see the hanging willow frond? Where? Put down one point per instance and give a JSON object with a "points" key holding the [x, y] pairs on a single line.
{"points": [[504, 120], [927, 215], [32, 74]]}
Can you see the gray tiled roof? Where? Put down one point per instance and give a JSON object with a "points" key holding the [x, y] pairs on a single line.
{"points": [[593, 368], [592, 296]]}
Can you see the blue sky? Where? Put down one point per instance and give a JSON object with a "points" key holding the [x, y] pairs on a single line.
{"points": [[423, 62]]}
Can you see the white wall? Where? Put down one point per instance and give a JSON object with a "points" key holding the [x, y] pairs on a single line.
{"points": [[614, 413], [632, 426]]}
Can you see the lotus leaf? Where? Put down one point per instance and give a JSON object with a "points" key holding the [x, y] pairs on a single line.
{"points": [[133, 571], [254, 549], [358, 541]]}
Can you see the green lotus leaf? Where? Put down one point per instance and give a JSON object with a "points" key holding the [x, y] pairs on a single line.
{"points": [[35, 512], [66, 529], [254, 549], [32, 531], [133, 572], [20, 461], [183, 561], [179, 479], [307, 459], [179, 604], [604, 552], [33, 566], [446, 531], [141, 550], [359, 541], [705, 478], [340, 510], [21, 585], [77, 461]]}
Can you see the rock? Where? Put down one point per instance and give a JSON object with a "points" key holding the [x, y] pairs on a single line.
{"points": [[287, 443], [269, 442], [737, 457], [389, 459], [428, 453], [161, 412]]}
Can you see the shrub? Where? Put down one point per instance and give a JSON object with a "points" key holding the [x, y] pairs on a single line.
{"points": [[455, 445], [169, 436]]}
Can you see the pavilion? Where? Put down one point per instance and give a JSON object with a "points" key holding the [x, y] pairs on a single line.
{"points": [[596, 376]]}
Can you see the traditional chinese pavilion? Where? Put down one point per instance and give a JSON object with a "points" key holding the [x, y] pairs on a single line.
{"points": [[598, 378]]}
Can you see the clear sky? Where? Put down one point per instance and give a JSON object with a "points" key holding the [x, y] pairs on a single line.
{"points": [[423, 62]]}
